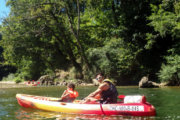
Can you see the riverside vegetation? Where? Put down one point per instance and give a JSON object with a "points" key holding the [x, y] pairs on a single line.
{"points": [[125, 39]]}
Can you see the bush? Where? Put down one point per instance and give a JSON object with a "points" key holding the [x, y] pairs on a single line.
{"points": [[29, 69], [14, 77], [171, 70], [18, 80], [89, 74], [10, 77], [115, 58]]}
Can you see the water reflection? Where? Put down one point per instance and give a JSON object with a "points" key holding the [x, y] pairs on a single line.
{"points": [[27, 113]]}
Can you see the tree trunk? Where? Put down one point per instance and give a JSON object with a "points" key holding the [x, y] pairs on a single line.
{"points": [[81, 49], [68, 49]]}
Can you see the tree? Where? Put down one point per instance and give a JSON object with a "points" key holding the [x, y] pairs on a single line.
{"points": [[165, 20], [125, 39]]}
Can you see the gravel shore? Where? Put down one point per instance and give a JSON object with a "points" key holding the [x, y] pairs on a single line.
{"points": [[11, 84]]}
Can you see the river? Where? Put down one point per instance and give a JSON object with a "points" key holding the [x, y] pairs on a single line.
{"points": [[166, 101]]}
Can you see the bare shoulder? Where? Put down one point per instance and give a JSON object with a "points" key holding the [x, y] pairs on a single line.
{"points": [[104, 86]]}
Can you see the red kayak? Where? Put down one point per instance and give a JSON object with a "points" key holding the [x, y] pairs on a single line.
{"points": [[129, 106]]}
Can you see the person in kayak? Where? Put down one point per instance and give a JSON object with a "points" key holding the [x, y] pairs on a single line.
{"points": [[70, 94], [106, 92]]}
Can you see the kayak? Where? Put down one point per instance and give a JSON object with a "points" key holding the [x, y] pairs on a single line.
{"points": [[129, 106]]}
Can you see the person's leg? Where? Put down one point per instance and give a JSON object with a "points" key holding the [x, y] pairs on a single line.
{"points": [[89, 100]]}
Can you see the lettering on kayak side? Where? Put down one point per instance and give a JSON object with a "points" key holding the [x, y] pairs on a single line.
{"points": [[127, 108]]}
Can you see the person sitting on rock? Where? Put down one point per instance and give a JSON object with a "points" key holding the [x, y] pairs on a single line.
{"points": [[69, 95]]}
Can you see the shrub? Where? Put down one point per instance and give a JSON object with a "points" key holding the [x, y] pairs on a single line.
{"points": [[10, 77], [115, 58], [18, 80], [171, 70]]}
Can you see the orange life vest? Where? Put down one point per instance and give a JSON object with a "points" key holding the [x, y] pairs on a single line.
{"points": [[98, 96], [72, 94]]}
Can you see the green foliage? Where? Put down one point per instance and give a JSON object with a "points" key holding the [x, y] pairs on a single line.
{"points": [[1, 50], [115, 58], [33, 34], [171, 70], [150, 41], [13, 77], [165, 21], [18, 79], [10, 77], [123, 39], [162, 21]]}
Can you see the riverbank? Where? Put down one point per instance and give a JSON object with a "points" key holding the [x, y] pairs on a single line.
{"points": [[12, 84], [7, 82]]}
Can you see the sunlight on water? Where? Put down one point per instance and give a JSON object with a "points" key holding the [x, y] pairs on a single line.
{"points": [[25, 113]]}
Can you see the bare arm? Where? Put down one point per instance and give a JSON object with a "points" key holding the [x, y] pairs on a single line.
{"points": [[91, 97], [93, 94], [64, 94], [101, 88]]}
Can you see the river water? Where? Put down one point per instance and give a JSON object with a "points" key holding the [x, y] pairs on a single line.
{"points": [[166, 101]]}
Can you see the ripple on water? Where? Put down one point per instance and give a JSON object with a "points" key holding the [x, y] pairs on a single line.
{"points": [[25, 113], [7, 99], [2, 92], [3, 112]]}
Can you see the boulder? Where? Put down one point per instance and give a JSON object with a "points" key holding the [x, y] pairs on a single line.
{"points": [[63, 83], [46, 79], [61, 74], [164, 84], [145, 83]]}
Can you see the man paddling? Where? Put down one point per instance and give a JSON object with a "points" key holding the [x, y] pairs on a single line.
{"points": [[106, 92]]}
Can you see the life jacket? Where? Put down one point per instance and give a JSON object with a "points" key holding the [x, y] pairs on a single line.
{"points": [[98, 97], [72, 95], [110, 95]]}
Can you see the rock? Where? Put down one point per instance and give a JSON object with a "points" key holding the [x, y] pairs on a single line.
{"points": [[46, 79], [164, 84], [63, 83], [57, 83], [61, 74], [83, 84], [145, 83]]}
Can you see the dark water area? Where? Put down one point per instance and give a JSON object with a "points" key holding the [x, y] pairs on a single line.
{"points": [[165, 100]]}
